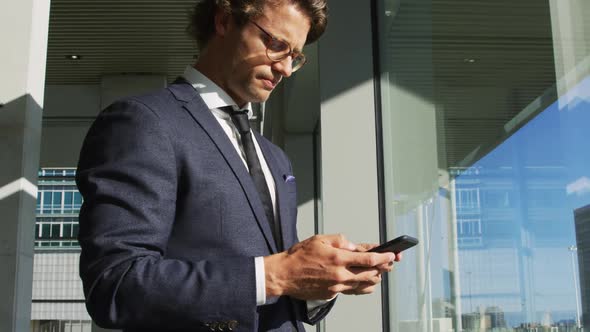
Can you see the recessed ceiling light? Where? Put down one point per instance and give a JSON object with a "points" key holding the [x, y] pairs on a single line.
{"points": [[73, 57], [469, 60]]}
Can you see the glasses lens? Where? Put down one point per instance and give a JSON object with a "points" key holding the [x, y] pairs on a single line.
{"points": [[277, 50], [277, 46], [298, 62]]}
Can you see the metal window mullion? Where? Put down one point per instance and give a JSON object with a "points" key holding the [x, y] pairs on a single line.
{"points": [[41, 201], [63, 199]]}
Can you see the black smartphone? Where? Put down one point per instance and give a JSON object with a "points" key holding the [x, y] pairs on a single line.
{"points": [[396, 245]]}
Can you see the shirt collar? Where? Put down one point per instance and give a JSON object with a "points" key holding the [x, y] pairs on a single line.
{"points": [[213, 96]]}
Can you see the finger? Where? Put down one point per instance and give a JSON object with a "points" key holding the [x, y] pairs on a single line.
{"points": [[398, 257], [338, 241], [359, 287], [371, 245], [365, 259], [362, 289], [365, 289], [363, 247], [388, 267], [357, 270], [372, 276]]}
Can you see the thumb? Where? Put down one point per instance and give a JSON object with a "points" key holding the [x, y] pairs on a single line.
{"points": [[339, 241]]}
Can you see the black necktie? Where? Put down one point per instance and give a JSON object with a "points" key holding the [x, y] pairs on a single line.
{"points": [[240, 120]]}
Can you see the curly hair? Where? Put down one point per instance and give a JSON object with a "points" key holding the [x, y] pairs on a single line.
{"points": [[201, 25]]}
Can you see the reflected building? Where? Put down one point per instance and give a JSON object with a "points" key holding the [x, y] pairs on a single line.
{"points": [[484, 319], [506, 217], [582, 221], [496, 316]]}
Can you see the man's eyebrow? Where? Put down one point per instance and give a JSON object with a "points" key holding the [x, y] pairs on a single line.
{"points": [[282, 38], [294, 49]]}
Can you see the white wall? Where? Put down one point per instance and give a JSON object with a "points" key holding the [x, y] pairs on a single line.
{"points": [[69, 111]]}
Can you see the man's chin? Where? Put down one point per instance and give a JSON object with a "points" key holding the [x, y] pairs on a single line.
{"points": [[261, 96]]}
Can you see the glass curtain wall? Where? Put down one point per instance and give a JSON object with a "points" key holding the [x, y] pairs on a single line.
{"points": [[485, 115], [58, 206], [58, 300]]}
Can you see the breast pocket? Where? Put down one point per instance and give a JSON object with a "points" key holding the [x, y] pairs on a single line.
{"points": [[290, 183]]}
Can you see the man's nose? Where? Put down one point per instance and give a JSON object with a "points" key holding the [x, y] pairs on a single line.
{"points": [[284, 67]]}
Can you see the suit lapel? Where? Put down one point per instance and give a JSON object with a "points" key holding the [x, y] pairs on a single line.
{"points": [[281, 189], [206, 120]]}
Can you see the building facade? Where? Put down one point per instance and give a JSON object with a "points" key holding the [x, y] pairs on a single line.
{"points": [[58, 299]]}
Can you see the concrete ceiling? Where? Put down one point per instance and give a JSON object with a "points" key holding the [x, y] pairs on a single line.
{"points": [[117, 36], [478, 62], [510, 43]]}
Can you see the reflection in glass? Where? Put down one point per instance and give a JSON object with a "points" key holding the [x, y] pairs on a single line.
{"points": [[485, 109], [520, 266]]}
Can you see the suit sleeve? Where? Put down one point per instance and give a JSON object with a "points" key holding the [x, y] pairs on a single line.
{"points": [[127, 174]]}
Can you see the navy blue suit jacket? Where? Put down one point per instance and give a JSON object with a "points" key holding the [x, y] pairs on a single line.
{"points": [[171, 221]]}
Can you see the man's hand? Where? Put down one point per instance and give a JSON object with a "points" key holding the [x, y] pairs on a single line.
{"points": [[367, 288], [324, 265]]}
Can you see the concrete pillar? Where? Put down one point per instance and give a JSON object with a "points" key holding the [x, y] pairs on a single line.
{"points": [[113, 87], [23, 33], [348, 148]]}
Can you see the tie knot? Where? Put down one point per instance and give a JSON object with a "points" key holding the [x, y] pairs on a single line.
{"points": [[240, 119]]}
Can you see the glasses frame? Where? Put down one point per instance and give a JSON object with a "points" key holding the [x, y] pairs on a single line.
{"points": [[294, 55]]}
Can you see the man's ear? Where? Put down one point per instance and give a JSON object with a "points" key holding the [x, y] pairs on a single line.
{"points": [[222, 21]]}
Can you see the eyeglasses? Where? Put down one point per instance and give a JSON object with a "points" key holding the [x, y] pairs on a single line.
{"points": [[278, 50]]}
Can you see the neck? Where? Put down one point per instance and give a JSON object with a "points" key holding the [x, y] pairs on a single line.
{"points": [[211, 64], [211, 68]]}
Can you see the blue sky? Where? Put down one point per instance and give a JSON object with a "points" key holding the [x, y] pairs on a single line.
{"points": [[548, 165]]}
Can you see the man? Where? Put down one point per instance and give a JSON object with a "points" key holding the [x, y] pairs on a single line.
{"points": [[188, 222]]}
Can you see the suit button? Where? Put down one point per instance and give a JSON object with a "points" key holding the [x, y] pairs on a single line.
{"points": [[222, 326], [232, 325], [213, 326]]}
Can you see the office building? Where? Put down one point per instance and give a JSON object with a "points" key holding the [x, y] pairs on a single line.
{"points": [[58, 300]]}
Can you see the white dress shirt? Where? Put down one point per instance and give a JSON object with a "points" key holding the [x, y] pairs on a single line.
{"points": [[215, 98]]}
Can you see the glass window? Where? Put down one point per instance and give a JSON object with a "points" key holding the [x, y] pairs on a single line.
{"points": [[67, 231], [47, 202], [45, 231], [485, 108], [38, 206], [77, 200], [57, 207], [58, 196], [55, 231], [75, 230], [68, 199]]}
